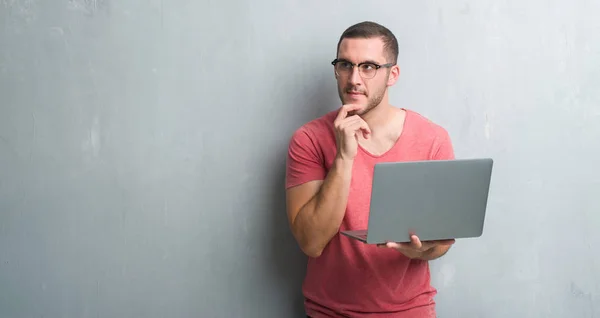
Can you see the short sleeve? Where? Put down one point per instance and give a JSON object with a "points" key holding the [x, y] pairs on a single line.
{"points": [[445, 150], [304, 160]]}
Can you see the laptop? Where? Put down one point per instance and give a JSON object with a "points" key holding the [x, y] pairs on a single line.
{"points": [[433, 199]]}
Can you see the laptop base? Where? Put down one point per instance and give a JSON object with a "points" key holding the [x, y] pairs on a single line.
{"points": [[360, 235]]}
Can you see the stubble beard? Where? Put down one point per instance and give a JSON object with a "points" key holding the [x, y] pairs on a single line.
{"points": [[372, 102]]}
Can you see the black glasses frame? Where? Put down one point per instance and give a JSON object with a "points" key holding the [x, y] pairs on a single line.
{"points": [[377, 66]]}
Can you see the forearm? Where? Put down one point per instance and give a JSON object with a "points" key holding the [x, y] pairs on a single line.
{"points": [[319, 220]]}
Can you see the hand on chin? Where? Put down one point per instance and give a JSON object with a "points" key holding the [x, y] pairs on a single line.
{"points": [[363, 106]]}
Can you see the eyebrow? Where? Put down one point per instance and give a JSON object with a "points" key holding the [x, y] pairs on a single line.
{"points": [[363, 62], [371, 62]]}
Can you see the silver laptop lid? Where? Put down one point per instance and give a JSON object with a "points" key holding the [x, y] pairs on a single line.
{"points": [[436, 199]]}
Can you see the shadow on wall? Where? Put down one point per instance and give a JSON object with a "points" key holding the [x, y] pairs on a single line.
{"points": [[287, 260]]}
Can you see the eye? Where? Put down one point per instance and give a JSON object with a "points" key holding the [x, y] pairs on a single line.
{"points": [[344, 64], [368, 67]]}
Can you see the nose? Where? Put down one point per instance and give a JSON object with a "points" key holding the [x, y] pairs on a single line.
{"points": [[355, 78]]}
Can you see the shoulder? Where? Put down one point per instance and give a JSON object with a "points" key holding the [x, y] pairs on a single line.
{"points": [[309, 150], [314, 132], [428, 137], [425, 127]]}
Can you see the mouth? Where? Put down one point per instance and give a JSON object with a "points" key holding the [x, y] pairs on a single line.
{"points": [[354, 93]]}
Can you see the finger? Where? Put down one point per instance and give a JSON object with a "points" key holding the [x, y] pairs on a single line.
{"points": [[400, 245], [342, 123], [341, 126], [349, 121], [444, 242], [343, 113], [440, 242], [345, 109], [432, 244], [349, 128], [361, 126], [366, 131], [352, 107], [395, 245], [415, 242], [355, 125]]}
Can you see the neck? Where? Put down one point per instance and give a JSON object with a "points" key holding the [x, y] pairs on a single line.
{"points": [[379, 116]]}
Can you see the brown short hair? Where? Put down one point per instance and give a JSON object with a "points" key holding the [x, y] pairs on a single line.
{"points": [[367, 30]]}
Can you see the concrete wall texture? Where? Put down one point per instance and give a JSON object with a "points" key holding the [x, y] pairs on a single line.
{"points": [[142, 150]]}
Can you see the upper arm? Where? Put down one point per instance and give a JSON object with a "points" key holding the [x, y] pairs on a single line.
{"points": [[305, 172], [297, 197], [444, 149]]}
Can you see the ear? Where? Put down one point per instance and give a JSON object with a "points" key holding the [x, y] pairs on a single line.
{"points": [[394, 75]]}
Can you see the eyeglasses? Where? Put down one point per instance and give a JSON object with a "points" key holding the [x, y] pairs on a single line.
{"points": [[366, 70]]}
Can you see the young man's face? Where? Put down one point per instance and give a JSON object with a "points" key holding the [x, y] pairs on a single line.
{"points": [[367, 86]]}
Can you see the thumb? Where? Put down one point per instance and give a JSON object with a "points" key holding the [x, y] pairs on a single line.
{"points": [[392, 245], [365, 129]]}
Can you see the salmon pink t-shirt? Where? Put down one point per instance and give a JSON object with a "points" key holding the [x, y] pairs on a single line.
{"points": [[350, 278]]}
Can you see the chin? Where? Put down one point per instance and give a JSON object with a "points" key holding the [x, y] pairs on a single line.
{"points": [[358, 112]]}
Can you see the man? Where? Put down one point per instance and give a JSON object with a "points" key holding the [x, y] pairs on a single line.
{"points": [[329, 172]]}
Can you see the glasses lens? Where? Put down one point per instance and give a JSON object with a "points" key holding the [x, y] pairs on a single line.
{"points": [[368, 70], [343, 68]]}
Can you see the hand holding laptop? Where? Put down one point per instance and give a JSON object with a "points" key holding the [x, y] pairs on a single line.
{"points": [[415, 248]]}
